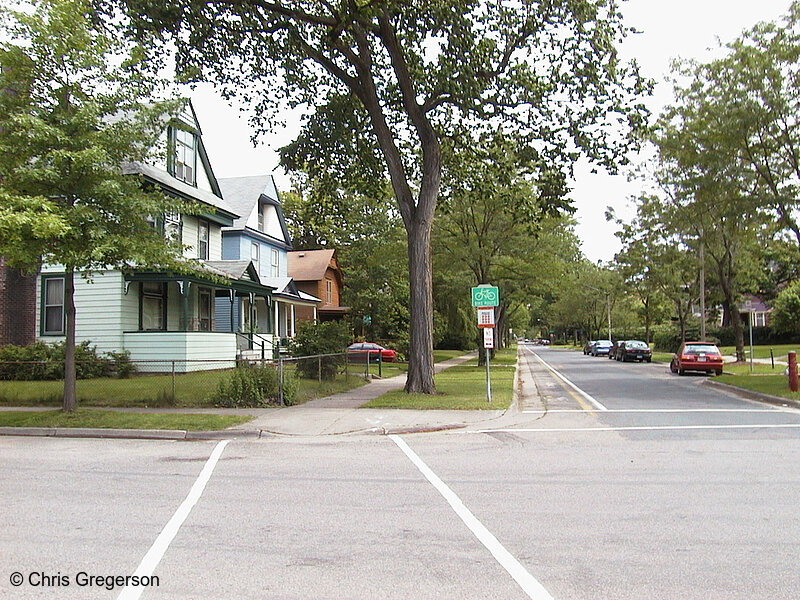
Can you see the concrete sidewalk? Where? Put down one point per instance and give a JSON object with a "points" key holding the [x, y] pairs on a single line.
{"points": [[333, 415]]}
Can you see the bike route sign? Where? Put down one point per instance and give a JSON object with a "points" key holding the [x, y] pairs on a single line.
{"points": [[485, 296]]}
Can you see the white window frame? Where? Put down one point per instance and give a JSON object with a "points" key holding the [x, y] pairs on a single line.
{"points": [[275, 263], [328, 291], [48, 306], [255, 252], [202, 244], [185, 156]]}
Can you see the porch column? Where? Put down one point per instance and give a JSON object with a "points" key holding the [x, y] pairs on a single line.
{"points": [[183, 286], [277, 321], [232, 296], [291, 320]]}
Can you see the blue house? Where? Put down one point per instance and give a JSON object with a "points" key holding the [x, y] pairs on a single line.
{"points": [[259, 236]]}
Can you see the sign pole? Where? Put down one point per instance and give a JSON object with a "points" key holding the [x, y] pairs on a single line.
{"points": [[488, 379], [485, 298]]}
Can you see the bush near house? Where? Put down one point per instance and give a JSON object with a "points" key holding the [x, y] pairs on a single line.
{"points": [[45, 362], [312, 339], [251, 386]]}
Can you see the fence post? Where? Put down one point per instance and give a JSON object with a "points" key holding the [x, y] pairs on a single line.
{"points": [[319, 368], [173, 380], [380, 364], [280, 380], [793, 371], [346, 367], [366, 365]]}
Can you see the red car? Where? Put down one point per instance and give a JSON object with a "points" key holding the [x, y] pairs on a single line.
{"points": [[697, 356], [359, 351]]}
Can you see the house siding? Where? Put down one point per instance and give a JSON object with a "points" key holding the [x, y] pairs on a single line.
{"points": [[192, 351], [98, 309]]}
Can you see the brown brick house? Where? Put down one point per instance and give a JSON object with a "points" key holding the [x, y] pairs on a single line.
{"points": [[17, 306], [317, 272]]}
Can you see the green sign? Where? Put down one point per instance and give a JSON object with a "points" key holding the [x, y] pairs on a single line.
{"points": [[485, 295]]}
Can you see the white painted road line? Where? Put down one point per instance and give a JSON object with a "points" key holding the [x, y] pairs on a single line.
{"points": [[164, 539], [594, 402], [659, 410], [639, 428], [526, 581]]}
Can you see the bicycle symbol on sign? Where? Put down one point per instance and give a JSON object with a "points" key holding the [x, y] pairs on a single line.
{"points": [[485, 295]]}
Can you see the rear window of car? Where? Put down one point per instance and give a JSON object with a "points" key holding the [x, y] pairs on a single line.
{"points": [[701, 349], [635, 345], [603, 343]]}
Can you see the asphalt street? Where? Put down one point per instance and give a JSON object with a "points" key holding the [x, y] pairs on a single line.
{"points": [[611, 481]]}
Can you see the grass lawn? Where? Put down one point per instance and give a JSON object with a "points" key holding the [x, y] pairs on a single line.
{"points": [[758, 369], [461, 388], [780, 351], [662, 357], [192, 390], [107, 419], [776, 385]]}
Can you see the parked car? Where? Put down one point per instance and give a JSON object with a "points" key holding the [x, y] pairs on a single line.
{"points": [[359, 351], [587, 348], [612, 350], [634, 350], [697, 356], [601, 347]]}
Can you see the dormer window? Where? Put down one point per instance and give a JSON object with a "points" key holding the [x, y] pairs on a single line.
{"points": [[183, 158], [260, 218], [202, 240]]}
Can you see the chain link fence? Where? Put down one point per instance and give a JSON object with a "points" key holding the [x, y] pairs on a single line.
{"points": [[184, 383]]}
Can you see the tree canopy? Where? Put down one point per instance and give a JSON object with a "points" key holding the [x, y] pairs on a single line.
{"points": [[71, 114], [404, 75]]}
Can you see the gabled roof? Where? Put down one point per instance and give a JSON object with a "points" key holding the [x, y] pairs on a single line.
{"points": [[309, 265], [286, 288], [181, 189], [248, 194], [223, 213], [242, 193], [235, 269]]}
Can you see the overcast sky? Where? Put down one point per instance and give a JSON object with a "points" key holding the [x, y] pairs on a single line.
{"points": [[670, 29]]}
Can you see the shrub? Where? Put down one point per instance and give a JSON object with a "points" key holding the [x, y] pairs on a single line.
{"points": [[248, 386], [40, 361], [311, 339]]}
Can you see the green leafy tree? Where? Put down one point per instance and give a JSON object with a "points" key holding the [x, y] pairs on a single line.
{"points": [[786, 308], [385, 82], [495, 199], [71, 115]]}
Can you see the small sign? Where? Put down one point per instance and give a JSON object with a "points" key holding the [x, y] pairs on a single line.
{"points": [[488, 337], [485, 295], [485, 317]]}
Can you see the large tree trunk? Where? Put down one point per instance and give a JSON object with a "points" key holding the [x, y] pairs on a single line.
{"points": [[420, 364], [70, 398]]}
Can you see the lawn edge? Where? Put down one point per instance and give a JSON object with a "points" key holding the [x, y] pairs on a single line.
{"points": [[753, 395]]}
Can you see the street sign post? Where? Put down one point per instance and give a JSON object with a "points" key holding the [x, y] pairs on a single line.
{"points": [[488, 344], [485, 317], [485, 296]]}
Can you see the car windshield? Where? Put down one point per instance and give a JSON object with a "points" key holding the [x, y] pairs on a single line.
{"points": [[701, 349], [636, 345]]}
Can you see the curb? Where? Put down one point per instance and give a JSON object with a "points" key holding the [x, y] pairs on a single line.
{"points": [[751, 395], [132, 434]]}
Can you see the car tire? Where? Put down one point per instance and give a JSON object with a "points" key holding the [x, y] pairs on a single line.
{"points": [[649, 360], [718, 372]]}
